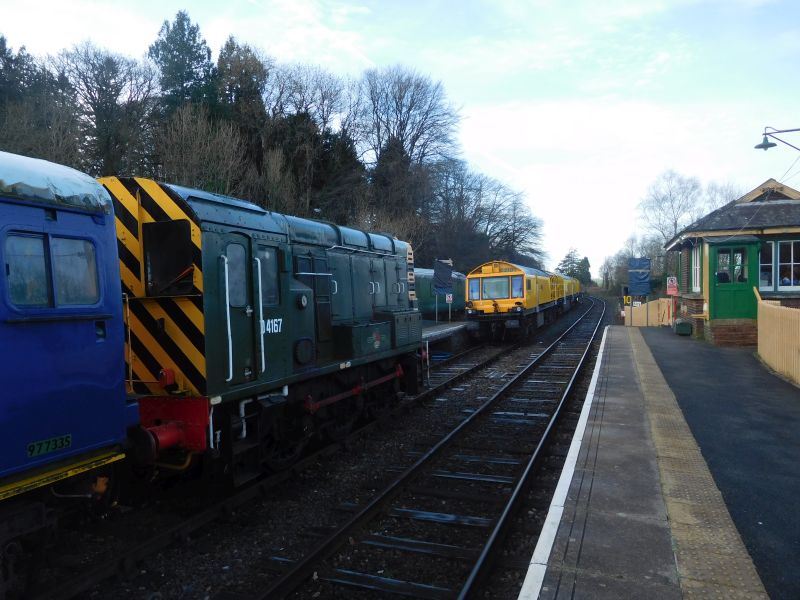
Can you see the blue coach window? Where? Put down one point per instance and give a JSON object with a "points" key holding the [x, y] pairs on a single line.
{"points": [[75, 270], [26, 270]]}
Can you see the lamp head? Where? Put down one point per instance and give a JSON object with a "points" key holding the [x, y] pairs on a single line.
{"points": [[765, 145]]}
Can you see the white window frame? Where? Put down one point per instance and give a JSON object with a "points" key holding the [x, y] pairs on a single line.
{"points": [[795, 262], [771, 265], [697, 255]]}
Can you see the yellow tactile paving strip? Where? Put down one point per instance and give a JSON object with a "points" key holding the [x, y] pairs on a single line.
{"points": [[711, 558]]}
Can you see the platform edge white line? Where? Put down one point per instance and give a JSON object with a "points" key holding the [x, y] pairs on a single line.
{"points": [[534, 578]]}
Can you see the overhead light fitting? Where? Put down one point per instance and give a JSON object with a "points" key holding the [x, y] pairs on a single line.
{"points": [[769, 135]]}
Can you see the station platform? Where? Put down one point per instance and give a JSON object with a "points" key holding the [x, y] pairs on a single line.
{"points": [[433, 331], [682, 480]]}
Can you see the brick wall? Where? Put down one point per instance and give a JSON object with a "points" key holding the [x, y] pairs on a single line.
{"points": [[684, 274], [733, 332], [790, 302], [693, 305]]}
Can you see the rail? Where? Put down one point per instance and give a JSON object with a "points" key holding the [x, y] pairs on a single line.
{"points": [[301, 570]]}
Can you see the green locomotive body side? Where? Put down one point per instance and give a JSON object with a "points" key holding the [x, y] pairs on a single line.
{"points": [[249, 331], [323, 288]]}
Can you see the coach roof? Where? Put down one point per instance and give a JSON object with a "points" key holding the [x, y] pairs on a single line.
{"points": [[43, 182]]}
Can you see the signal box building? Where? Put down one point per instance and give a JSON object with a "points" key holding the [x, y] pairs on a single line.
{"points": [[752, 242]]}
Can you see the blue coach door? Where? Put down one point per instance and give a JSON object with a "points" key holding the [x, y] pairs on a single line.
{"points": [[61, 336]]}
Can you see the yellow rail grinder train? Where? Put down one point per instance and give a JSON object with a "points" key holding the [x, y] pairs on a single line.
{"points": [[507, 300]]}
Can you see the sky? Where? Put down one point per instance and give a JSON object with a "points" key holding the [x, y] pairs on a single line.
{"points": [[578, 104]]}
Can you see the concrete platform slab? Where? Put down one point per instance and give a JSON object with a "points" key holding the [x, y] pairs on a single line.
{"points": [[641, 515]]}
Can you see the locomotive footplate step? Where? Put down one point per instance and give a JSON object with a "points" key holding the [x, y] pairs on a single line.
{"points": [[637, 513]]}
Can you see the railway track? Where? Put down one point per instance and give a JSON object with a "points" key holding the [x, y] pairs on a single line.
{"points": [[177, 528], [434, 531]]}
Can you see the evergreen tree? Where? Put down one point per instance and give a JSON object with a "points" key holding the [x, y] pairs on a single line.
{"points": [[391, 179], [184, 62], [584, 274], [569, 264], [241, 81]]}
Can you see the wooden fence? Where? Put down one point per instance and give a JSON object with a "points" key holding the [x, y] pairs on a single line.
{"points": [[779, 337], [650, 314]]}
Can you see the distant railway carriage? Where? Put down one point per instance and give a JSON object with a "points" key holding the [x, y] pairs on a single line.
{"points": [[427, 301], [504, 298]]}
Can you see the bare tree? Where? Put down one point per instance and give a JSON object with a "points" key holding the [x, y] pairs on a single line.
{"points": [[117, 99], [402, 104], [200, 154], [56, 139], [672, 202], [607, 272], [718, 195], [316, 92]]}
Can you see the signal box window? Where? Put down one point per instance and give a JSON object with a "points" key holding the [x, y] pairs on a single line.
{"points": [[765, 279], [26, 270], [788, 264], [75, 270], [168, 259], [495, 288], [740, 265], [269, 275], [732, 265], [474, 289], [516, 287]]}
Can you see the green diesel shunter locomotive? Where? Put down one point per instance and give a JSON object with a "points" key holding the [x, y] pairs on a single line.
{"points": [[249, 332]]}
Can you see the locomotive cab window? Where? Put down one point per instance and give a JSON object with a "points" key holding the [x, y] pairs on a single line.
{"points": [[474, 289], [168, 258], [237, 274], [495, 288], [269, 275], [516, 287]]}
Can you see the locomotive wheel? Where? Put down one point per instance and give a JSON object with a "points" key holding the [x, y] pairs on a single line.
{"points": [[381, 400], [341, 417], [12, 578], [282, 454]]}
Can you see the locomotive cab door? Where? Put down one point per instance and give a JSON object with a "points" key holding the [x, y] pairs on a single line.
{"points": [[378, 282], [270, 328], [342, 288], [363, 288], [240, 309], [395, 274]]}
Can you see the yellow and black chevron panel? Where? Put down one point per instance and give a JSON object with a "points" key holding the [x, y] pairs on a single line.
{"points": [[162, 332]]}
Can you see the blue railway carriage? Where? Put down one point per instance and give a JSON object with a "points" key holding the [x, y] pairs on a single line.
{"points": [[63, 410]]}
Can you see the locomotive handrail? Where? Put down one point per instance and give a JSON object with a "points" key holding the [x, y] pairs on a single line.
{"points": [[335, 287], [228, 317], [371, 288], [375, 252], [261, 315]]}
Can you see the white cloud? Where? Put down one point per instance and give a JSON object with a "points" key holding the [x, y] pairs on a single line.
{"points": [[585, 165], [49, 26]]}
